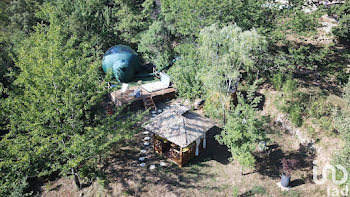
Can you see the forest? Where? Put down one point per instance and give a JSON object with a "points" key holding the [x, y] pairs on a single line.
{"points": [[292, 59]]}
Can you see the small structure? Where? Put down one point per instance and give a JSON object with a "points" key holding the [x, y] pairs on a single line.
{"points": [[179, 134], [122, 61], [146, 94]]}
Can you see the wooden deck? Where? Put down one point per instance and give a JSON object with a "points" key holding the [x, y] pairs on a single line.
{"points": [[120, 99]]}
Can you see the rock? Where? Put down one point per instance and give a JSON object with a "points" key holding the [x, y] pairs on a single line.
{"points": [[198, 103], [146, 143], [162, 164], [142, 165], [282, 188], [153, 111], [143, 151], [142, 159], [147, 138], [152, 167], [187, 102], [146, 132]]}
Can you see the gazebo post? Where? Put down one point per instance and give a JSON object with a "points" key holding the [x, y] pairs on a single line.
{"points": [[180, 157]]}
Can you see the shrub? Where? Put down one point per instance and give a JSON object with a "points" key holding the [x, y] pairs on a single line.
{"points": [[277, 80], [213, 106], [303, 23], [319, 108], [289, 86], [184, 72], [296, 115]]}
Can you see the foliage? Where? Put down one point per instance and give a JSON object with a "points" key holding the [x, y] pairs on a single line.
{"points": [[56, 122], [223, 53], [132, 17], [303, 23], [295, 114], [188, 17], [319, 108], [108, 22], [277, 80], [185, 71], [155, 45], [288, 165], [342, 11], [289, 86], [216, 105], [243, 131], [342, 121]]}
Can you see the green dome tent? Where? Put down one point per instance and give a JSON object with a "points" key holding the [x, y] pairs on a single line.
{"points": [[122, 61]]}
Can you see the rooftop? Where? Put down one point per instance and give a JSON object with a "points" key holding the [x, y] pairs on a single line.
{"points": [[179, 125]]}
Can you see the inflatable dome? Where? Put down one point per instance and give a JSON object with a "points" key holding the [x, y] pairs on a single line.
{"points": [[122, 61]]}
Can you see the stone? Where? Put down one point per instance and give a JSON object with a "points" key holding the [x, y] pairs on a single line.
{"points": [[146, 138], [198, 103], [143, 151], [146, 143], [162, 164], [146, 132], [153, 111], [152, 167], [142, 165], [281, 187], [142, 159], [160, 111]]}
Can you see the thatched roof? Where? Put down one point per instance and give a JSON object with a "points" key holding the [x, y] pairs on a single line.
{"points": [[179, 125]]}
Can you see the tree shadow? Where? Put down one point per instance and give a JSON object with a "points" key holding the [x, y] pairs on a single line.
{"points": [[269, 163], [123, 167], [297, 182], [261, 104], [214, 150]]}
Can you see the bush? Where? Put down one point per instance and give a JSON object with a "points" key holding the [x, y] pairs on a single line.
{"points": [[184, 72], [277, 80], [319, 108], [213, 106], [342, 31], [296, 115], [289, 86]]}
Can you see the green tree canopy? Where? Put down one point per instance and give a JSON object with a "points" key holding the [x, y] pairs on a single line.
{"points": [[57, 122]]}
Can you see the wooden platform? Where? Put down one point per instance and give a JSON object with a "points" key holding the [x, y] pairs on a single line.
{"points": [[120, 99]]}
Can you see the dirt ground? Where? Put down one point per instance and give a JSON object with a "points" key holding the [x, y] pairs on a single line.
{"points": [[210, 174]]}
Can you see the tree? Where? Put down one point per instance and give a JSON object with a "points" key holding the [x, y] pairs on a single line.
{"points": [[184, 72], [187, 17], [133, 17], [155, 45], [243, 130], [224, 53], [56, 119], [342, 31]]}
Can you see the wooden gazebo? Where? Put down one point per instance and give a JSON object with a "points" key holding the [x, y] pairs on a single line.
{"points": [[179, 134]]}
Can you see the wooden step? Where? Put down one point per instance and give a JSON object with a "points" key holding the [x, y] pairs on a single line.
{"points": [[148, 102]]}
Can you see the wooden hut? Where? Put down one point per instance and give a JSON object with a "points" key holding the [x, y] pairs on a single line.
{"points": [[179, 134]]}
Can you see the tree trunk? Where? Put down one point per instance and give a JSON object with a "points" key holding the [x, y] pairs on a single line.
{"points": [[76, 178]]}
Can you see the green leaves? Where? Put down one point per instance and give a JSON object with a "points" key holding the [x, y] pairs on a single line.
{"points": [[242, 132], [155, 45], [56, 118]]}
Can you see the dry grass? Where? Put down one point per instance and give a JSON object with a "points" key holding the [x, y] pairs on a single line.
{"points": [[211, 174]]}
